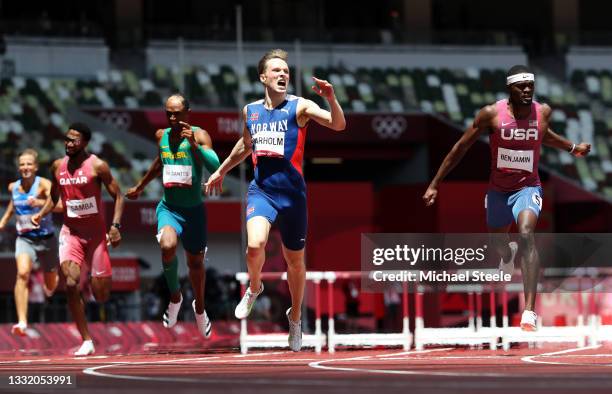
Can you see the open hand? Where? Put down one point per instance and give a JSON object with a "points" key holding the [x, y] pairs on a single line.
{"points": [[323, 88]]}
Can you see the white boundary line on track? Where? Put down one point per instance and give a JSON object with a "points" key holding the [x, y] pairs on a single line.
{"points": [[562, 353], [195, 359], [410, 352], [258, 354], [444, 358], [318, 365], [95, 370]]}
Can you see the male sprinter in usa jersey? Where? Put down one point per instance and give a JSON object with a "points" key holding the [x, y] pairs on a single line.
{"points": [[274, 133], [517, 127]]}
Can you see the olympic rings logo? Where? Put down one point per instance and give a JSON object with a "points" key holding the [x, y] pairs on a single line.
{"points": [[389, 127], [120, 120]]}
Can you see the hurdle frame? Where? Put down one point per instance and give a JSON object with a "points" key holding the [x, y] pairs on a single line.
{"points": [[279, 340], [474, 334], [579, 333], [334, 339]]}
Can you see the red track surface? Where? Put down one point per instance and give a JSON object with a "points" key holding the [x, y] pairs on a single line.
{"points": [[438, 370]]}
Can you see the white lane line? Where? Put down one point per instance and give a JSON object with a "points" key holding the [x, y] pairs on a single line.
{"points": [[54, 360], [258, 354], [318, 365], [94, 372], [609, 355], [138, 365], [411, 352], [97, 370], [563, 353], [445, 358], [195, 359], [38, 368], [32, 361], [267, 382]]}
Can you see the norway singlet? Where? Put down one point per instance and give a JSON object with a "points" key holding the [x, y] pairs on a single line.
{"points": [[278, 190]]}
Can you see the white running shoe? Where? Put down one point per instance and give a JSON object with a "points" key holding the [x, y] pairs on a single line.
{"points": [[508, 268], [295, 333], [86, 349], [204, 324], [246, 303], [171, 313], [19, 329], [529, 321]]}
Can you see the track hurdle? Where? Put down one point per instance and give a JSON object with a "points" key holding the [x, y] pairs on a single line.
{"points": [[474, 334], [335, 339], [279, 340], [577, 334]]}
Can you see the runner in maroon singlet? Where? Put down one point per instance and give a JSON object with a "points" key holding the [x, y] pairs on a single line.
{"points": [[83, 239], [517, 128]]}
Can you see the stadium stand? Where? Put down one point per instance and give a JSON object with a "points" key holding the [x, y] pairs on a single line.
{"points": [[581, 108]]}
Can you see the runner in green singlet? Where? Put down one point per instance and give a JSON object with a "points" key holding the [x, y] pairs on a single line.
{"points": [[183, 150]]}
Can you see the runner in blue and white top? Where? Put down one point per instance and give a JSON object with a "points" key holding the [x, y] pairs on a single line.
{"points": [[274, 134], [35, 246]]}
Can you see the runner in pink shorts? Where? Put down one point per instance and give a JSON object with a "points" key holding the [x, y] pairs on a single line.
{"points": [[83, 239]]}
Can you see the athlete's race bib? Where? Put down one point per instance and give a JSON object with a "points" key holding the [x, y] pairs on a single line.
{"points": [[269, 143], [81, 208], [24, 223], [515, 159], [177, 176]]}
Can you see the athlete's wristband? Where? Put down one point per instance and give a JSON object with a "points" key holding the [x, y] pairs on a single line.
{"points": [[116, 225], [573, 148], [211, 160]]}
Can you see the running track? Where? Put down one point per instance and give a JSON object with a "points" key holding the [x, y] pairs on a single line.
{"points": [[438, 370]]}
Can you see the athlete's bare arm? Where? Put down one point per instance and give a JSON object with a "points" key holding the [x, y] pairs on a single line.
{"points": [[240, 151], [196, 138], [485, 121], [43, 194], [10, 208], [53, 196], [102, 170], [308, 109], [554, 140], [153, 172]]}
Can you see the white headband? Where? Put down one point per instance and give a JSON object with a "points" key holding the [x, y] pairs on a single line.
{"points": [[519, 78]]}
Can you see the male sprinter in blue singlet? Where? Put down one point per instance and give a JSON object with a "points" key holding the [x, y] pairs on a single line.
{"points": [[35, 246], [275, 132], [183, 150]]}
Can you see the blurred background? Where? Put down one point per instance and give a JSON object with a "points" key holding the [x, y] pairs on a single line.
{"points": [[410, 75]]}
